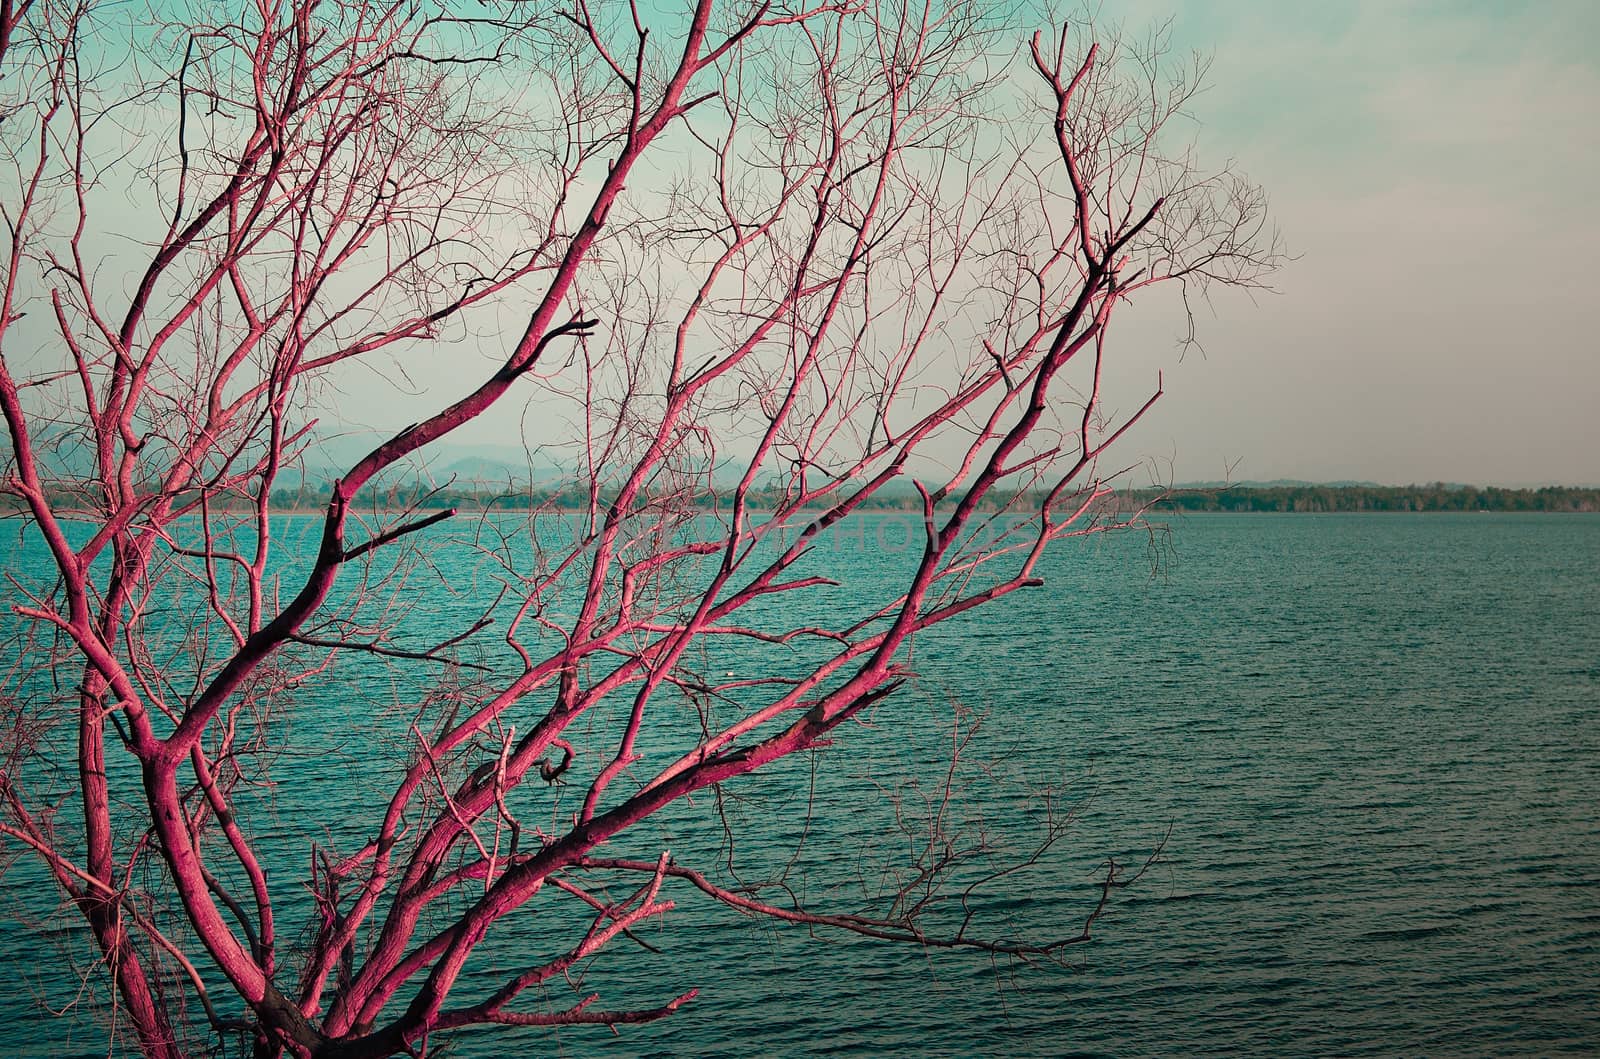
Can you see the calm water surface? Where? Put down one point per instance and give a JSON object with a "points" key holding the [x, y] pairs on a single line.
{"points": [[1375, 740]]}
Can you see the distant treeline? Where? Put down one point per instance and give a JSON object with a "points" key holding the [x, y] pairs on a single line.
{"points": [[469, 496], [1436, 497], [472, 496], [1297, 497], [1289, 498], [484, 495]]}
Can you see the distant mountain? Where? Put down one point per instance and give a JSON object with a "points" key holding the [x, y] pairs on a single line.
{"points": [[328, 458]]}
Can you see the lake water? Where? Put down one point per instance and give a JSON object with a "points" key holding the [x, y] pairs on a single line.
{"points": [[1374, 740]]}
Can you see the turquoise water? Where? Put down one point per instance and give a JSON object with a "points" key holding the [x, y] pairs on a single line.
{"points": [[1374, 740]]}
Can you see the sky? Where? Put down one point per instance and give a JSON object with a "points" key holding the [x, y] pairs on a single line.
{"points": [[1433, 167]]}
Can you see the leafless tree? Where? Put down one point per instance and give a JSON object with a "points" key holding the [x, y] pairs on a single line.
{"points": [[762, 263]]}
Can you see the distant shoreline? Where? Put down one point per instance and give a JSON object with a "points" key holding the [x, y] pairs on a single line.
{"points": [[1340, 499], [1276, 499]]}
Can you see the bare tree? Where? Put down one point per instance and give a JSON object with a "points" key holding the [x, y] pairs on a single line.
{"points": [[763, 263]]}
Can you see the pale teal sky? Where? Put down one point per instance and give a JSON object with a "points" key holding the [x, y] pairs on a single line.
{"points": [[1434, 165]]}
